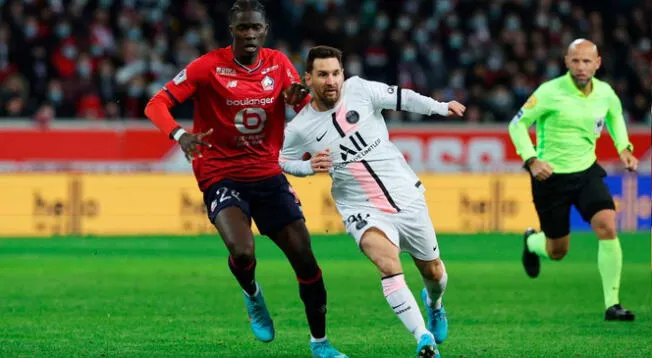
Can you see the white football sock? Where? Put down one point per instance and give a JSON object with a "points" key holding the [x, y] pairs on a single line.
{"points": [[402, 301], [436, 289]]}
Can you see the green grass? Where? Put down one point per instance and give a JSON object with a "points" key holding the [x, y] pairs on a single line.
{"points": [[175, 297]]}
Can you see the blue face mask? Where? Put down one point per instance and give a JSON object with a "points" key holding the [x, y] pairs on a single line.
{"points": [[421, 36], [455, 41], [69, 52], [63, 30], [435, 56], [55, 96], [192, 37], [96, 50], [84, 70], [552, 71], [382, 23], [31, 31], [513, 23], [134, 34], [409, 55], [135, 91]]}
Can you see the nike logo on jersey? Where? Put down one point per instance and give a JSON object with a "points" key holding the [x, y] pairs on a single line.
{"points": [[321, 136], [434, 248]]}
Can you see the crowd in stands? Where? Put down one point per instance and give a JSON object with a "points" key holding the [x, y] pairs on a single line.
{"points": [[103, 59]]}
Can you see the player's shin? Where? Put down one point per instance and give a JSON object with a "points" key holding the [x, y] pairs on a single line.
{"points": [[244, 272], [313, 295], [610, 262], [436, 288], [402, 301]]}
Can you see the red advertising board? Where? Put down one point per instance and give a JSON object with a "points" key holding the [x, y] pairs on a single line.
{"points": [[433, 149]]}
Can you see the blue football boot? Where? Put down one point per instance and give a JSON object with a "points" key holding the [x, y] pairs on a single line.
{"points": [[437, 322], [261, 322], [427, 347], [325, 350]]}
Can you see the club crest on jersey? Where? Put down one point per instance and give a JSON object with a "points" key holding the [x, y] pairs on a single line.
{"points": [[352, 117], [267, 83], [180, 77], [232, 84]]}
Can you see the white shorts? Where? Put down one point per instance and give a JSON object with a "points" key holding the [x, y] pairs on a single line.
{"points": [[410, 229]]}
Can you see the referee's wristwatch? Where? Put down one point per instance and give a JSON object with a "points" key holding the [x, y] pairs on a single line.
{"points": [[529, 161]]}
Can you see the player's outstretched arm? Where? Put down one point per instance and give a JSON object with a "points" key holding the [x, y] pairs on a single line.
{"points": [[384, 96]]}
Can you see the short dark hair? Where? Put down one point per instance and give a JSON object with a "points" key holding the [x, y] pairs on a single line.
{"points": [[322, 52], [246, 5]]}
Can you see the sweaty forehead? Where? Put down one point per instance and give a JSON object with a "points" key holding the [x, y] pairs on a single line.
{"points": [[248, 18]]}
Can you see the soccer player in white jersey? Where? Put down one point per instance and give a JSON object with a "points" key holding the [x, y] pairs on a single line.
{"points": [[379, 197]]}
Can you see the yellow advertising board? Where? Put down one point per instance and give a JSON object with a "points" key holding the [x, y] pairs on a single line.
{"points": [[36, 205], [135, 204]]}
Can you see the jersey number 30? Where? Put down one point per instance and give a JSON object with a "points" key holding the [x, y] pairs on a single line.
{"points": [[250, 120]]}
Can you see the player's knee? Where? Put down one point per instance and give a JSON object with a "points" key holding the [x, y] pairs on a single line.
{"points": [[605, 229], [558, 253], [243, 254], [433, 270]]}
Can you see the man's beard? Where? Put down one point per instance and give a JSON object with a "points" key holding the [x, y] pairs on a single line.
{"points": [[581, 83], [330, 103]]}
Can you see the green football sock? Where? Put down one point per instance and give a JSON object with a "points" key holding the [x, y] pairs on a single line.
{"points": [[536, 243], [610, 263]]}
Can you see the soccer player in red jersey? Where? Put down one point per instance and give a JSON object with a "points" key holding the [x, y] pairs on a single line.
{"points": [[240, 93]]}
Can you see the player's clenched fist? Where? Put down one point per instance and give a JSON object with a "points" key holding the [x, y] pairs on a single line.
{"points": [[321, 162], [540, 169], [630, 161], [295, 93], [190, 142], [456, 108]]}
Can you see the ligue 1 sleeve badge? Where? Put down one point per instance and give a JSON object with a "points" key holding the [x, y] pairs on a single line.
{"points": [[267, 83], [352, 117]]}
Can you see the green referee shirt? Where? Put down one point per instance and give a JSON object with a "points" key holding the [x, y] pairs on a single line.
{"points": [[568, 124]]}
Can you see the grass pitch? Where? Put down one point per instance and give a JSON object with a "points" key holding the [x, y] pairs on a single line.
{"points": [[175, 297]]}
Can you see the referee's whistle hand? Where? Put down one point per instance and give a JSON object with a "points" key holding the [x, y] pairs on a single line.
{"points": [[540, 169]]}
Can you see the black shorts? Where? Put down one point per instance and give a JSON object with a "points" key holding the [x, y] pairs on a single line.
{"points": [[554, 196], [270, 202]]}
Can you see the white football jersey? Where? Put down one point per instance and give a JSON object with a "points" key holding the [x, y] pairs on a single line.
{"points": [[368, 170]]}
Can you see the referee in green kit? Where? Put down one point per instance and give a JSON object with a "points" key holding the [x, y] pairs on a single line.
{"points": [[571, 112]]}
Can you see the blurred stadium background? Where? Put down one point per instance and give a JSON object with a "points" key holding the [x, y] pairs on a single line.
{"points": [[79, 160]]}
